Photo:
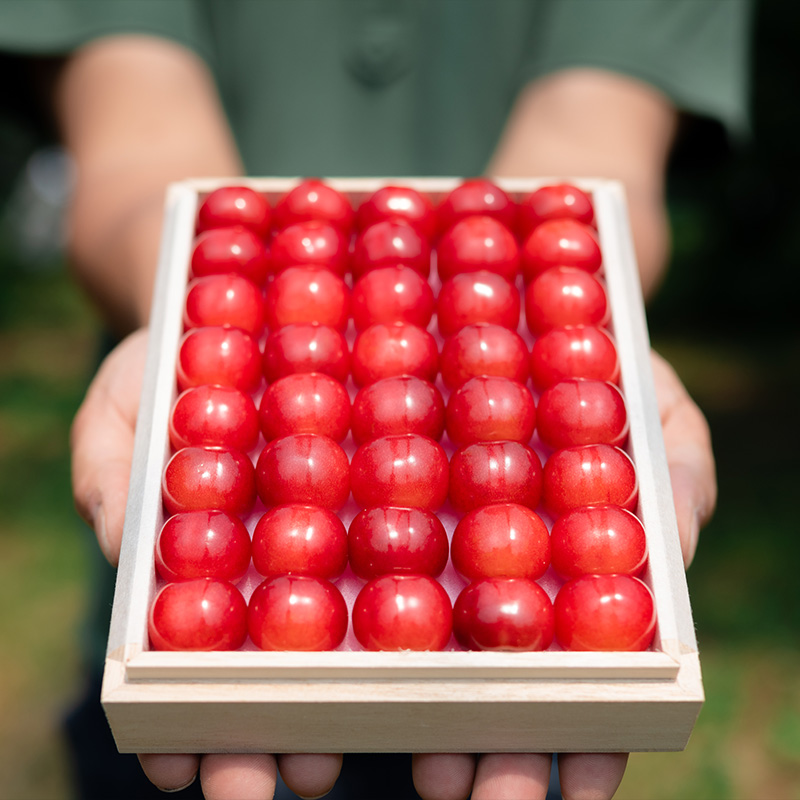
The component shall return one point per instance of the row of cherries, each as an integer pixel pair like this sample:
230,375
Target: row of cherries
481,407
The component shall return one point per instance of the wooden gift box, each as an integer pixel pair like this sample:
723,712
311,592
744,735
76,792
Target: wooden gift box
355,701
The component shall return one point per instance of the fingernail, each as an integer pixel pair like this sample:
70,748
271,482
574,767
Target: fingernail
180,788
694,536
100,529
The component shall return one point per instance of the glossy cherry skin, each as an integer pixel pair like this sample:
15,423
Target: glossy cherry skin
477,196
598,540
490,408
306,402
297,612
203,544
387,349
400,404
580,351
605,612
478,243
393,539
225,356
501,540
495,472
235,205
579,411
560,243
556,201
403,612
480,296
300,540
306,347
562,296
392,294
400,470
307,294
503,614
387,244
399,203
593,474
303,468
228,299
314,243
203,478
238,250
201,614
313,199
211,415
483,349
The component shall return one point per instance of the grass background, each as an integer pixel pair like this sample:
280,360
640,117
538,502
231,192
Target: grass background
726,318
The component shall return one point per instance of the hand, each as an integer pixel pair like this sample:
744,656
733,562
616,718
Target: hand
102,448
525,777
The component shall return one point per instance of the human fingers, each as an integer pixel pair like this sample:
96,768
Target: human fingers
443,776
310,775
102,442
690,457
590,776
513,776
170,772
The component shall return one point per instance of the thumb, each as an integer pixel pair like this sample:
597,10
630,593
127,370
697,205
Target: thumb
102,442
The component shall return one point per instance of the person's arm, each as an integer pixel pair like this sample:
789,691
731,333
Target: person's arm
593,123
137,113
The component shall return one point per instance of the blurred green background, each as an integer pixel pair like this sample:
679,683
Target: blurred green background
726,318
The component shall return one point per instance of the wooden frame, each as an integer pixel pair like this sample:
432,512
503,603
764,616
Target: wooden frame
376,702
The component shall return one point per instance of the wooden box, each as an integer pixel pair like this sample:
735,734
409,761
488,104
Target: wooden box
355,701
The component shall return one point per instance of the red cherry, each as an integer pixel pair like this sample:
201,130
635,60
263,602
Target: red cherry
401,404
593,474
605,612
300,540
306,402
228,299
399,203
477,196
579,411
402,612
483,349
307,294
385,350
201,614
221,250
392,294
401,470
203,478
391,539
560,243
210,415
490,408
480,296
478,243
558,201
306,347
225,356
495,472
303,468
388,244
562,296
203,544
235,205
312,243
297,612
313,199
582,351
502,540
503,614
599,540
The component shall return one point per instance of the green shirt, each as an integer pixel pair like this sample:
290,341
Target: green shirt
399,87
